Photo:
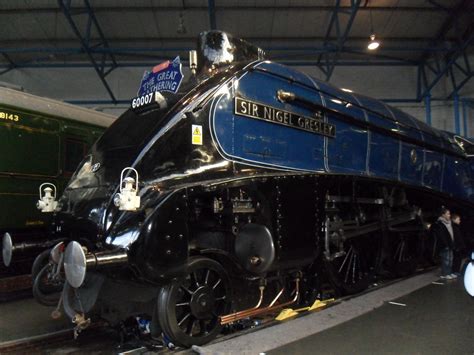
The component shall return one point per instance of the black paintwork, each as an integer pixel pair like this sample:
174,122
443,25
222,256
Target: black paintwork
194,201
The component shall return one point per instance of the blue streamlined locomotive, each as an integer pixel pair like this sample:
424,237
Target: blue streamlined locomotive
235,195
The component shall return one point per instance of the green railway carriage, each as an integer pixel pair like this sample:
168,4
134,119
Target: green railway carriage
41,140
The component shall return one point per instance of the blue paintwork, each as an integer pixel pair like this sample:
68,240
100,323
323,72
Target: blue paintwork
243,138
428,108
411,172
457,120
395,146
464,117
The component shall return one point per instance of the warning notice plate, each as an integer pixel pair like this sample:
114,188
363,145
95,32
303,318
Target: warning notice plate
197,134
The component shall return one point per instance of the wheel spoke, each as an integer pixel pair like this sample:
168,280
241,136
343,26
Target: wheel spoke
196,282
190,328
182,304
216,284
354,265
346,276
206,279
360,272
184,318
202,325
186,289
348,254
220,298
402,249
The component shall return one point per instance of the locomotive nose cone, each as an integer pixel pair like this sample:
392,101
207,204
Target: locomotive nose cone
75,264
7,249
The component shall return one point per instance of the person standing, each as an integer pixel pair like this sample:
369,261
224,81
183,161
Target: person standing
442,230
459,250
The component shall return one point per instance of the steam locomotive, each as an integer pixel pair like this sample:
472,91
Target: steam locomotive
233,196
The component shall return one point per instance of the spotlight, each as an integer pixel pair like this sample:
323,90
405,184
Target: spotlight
373,43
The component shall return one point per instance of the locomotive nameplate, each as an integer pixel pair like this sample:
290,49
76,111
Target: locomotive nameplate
271,114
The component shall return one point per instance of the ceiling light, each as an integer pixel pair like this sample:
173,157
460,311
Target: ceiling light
373,43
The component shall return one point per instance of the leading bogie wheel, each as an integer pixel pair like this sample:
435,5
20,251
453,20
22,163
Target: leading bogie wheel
47,285
40,262
189,308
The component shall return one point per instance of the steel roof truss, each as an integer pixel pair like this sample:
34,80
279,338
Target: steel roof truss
454,65
106,59
327,61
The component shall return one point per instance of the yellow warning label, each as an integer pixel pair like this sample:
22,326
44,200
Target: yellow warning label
197,134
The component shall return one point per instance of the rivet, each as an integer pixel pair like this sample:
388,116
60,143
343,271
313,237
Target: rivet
168,237
168,252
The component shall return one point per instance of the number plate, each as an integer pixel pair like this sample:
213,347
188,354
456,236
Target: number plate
143,100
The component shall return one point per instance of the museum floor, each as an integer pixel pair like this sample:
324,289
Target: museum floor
420,315
437,319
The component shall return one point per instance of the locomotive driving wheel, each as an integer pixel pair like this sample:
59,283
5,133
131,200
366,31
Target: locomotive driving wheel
189,308
349,271
432,249
404,254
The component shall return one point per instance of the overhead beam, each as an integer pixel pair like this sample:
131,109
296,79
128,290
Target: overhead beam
9,60
106,63
263,6
453,64
459,75
432,74
275,48
439,6
133,64
255,38
327,61
12,64
212,14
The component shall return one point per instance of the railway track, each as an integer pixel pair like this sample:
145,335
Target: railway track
102,339
15,287
98,339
